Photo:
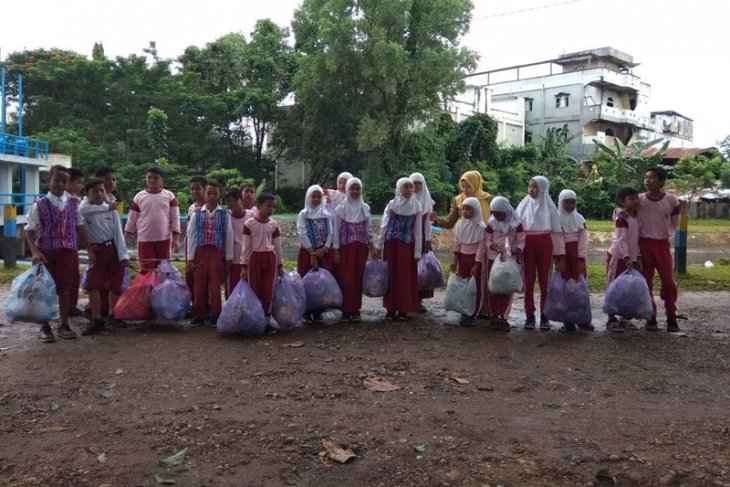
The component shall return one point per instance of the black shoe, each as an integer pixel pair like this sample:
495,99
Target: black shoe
422,309
356,317
317,319
112,322
346,317
390,316
544,323
466,321
46,334
504,326
672,326
76,311
569,327
530,321
308,318
651,324
65,332
494,324
197,322
87,313
400,316
94,327
586,326
213,320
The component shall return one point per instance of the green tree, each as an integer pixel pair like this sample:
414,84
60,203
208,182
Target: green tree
693,173
97,52
725,147
157,131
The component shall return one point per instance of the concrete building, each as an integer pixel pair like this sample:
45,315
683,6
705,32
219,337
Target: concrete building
594,93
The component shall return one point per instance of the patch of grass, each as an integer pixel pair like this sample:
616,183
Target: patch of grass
7,275
695,226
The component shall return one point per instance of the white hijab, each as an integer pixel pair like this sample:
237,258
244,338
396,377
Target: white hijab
539,214
353,210
502,205
314,212
470,230
572,222
423,196
345,175
404,206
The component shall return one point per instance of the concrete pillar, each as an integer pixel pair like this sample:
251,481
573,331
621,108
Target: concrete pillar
32,183
6,182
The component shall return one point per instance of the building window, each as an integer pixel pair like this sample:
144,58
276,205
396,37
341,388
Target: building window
609,132
562,100
528,137
609,101
528,104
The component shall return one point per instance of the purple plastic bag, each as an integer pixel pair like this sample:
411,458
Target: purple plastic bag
430,273
166,271
628,296
242,312
290,300
568,301
321,289
125,281
375,279
171,299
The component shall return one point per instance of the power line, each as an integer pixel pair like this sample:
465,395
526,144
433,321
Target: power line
524,10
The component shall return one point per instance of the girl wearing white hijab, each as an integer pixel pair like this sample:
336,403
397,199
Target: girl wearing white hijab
469,234
423,195
337,196
401,240
544,242
505,236
351,241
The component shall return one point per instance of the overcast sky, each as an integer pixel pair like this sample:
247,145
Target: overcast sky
682,46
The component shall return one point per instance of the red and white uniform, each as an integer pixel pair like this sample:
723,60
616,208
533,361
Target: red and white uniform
154,217
262,257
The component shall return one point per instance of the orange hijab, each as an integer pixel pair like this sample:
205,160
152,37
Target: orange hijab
475,181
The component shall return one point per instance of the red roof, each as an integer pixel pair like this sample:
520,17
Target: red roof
680,152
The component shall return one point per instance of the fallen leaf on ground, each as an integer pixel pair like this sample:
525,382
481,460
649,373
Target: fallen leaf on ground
106,394
120,371
379,385
460,380
336,452
53,429
165,478
420,448
176,459
53,407
103,457
293,345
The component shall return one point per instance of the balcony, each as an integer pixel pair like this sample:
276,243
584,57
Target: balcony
23,150
613,80
617,115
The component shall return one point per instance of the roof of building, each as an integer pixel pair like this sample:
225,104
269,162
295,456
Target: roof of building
680,152
670,113
607,53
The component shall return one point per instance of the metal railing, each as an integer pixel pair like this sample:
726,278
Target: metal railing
18,199
23,146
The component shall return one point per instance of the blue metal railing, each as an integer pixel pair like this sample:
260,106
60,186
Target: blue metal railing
23,146
18,199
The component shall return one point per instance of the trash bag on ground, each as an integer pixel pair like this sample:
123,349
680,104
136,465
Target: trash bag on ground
134,305
430,273
568,301
375,279
32,297
242,312
290,300
165,271
461,295
628,296
171,299
505,277
321,289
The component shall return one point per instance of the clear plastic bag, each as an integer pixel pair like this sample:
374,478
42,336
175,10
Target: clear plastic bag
171,299
505,277
289,302
134,305
568,301
375,279
321,289
430,273
32,297
628,296
461,295
242,312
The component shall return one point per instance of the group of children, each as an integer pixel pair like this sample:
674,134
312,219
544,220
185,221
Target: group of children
242,241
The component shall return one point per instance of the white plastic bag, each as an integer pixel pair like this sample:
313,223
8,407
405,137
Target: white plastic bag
461,295
505,277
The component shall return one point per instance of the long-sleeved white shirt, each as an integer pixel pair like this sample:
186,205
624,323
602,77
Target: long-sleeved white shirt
192,241
34,220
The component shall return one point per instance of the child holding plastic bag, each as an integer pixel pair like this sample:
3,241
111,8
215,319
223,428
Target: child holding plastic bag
351,242
543,243
400,240
505,237
315,229
423,195
575,239
468,236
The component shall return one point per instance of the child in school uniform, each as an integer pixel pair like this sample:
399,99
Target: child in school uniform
54,224
73,190
544,242
468,236
196,187
155,217
658,218
624,252
336,196
400,241
504,236
210,241
238,217
351,241
248,196
262,256
423,196
107,242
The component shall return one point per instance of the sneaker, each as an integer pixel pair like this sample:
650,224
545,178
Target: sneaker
390,316
346,317
504,326
65,332
586,326
530,321
567,326
672,326
270,330
112,322
651,324
95,326
197,322
317,319
544,323
466,321
400,316
76,311
46,334
356,317
494,324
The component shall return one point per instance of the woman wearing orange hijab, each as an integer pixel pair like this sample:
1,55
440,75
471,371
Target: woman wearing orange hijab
471,186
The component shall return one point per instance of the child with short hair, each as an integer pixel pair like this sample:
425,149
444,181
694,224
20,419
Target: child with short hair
73,188
209,240
541,222
468,236
196,187
504,236
400,240
155,217
658,218
248,198
238,218
262,256
624,252
351,241
53,225
107,242
423,195
109,175
337,196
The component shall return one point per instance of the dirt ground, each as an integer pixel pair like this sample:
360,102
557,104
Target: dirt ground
539,408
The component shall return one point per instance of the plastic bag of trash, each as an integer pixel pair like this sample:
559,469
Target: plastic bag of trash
568,301
375,279
32,297
430,273
242,312
628,296
134,305
505,277
321,289
290,300
166,270
171,299
461,295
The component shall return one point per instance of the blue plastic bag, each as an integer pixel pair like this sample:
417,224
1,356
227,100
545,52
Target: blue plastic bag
628,296
290,300
32,297
321,289
568,301
430,273
165,271
171,299
375,279
242,312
